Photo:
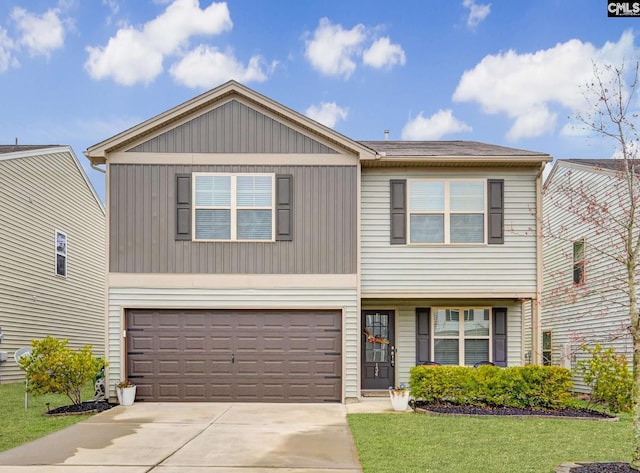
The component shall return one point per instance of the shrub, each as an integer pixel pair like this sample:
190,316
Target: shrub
53,367
537,387
608,376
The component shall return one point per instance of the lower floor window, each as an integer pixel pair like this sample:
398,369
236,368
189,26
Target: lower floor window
461,336
546,348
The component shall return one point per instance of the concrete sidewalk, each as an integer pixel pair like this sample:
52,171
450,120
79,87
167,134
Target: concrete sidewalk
198,437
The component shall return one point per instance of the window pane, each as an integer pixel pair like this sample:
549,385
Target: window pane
214,191
61,243
466,196
475,351
213,224
61,265
467,228
426,196
476,323
427,228
254,191
254,225
446,323
446,352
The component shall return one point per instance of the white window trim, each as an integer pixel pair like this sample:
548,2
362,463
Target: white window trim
447,212
65,254
461,335
233,207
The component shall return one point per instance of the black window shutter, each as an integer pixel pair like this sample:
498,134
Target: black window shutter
496,211
500,336
284,207
423,335
398,211
183,206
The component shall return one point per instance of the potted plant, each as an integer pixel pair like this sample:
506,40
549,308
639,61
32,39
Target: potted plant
126,392
399,398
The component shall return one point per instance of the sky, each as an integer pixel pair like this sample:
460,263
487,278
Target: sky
511,73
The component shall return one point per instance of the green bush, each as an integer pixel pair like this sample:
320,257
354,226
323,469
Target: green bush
537,387
608,376
53,367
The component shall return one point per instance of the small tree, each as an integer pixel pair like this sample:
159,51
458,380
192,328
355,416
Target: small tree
612,211
53,367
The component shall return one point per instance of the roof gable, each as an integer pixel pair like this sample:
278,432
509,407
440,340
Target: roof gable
232,127
215,98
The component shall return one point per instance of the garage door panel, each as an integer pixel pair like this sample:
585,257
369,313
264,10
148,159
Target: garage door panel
237,355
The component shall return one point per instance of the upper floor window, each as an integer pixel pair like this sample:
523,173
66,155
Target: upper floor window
447,211
578,262
546,348
61,253
233,207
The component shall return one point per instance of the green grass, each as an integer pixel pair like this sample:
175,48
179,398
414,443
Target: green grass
20,425
451,444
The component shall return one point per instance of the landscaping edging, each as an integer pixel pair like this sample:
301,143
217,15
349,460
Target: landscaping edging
548,416
567,467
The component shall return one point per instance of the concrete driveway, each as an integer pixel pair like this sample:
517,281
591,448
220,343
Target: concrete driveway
197,437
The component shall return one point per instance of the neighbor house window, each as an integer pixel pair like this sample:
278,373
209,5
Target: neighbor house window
61,253
447,211
233,207
578,262
461,336
546,348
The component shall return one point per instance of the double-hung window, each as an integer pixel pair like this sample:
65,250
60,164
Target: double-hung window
447,211
461,336
61,253
578,262
233,207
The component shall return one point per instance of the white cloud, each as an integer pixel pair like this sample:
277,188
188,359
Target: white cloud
7,46
328,113
435,127
207,66
383,53
525,87
136,54
335,51
332,48
41,34
477,12
114,8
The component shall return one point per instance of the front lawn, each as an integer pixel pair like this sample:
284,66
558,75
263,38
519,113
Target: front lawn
451,444
20,425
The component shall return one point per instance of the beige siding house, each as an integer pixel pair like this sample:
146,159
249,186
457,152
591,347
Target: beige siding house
52,262
583,300
256,255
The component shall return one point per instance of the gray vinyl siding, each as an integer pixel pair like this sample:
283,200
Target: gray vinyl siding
40,195
142,204
406,328
510,266
298,298
232,128
595,312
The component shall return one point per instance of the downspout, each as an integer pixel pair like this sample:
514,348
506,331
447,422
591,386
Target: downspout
536,329
95,166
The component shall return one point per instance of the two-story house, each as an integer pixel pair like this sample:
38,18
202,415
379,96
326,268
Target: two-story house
585,297
52,261
257,255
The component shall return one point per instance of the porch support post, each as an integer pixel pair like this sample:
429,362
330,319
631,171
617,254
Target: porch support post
536,329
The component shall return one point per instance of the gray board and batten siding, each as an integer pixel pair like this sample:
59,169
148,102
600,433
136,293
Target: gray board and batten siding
142,224
233,128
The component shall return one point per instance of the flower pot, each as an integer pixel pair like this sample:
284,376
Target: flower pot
126,396
399,399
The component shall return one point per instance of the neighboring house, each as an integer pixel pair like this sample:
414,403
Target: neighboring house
52,261
583,299
257,255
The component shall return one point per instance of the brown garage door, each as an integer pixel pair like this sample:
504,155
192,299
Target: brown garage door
235,355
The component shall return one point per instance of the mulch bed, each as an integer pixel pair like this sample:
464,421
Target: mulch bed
613,467
87,407
444,408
